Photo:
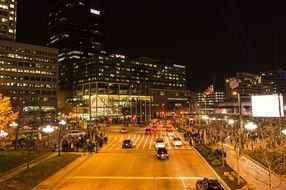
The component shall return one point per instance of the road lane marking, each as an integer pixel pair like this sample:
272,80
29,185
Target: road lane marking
142,138
116,143
138,177
184,184
140,141
146,140
151,141
135,139
110,143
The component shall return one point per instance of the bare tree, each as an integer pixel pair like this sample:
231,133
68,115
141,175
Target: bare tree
271,152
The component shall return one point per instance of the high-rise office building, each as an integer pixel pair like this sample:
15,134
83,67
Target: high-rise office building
8,17
75,27
115,85
29,76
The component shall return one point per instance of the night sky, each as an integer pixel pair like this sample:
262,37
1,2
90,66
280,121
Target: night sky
213,38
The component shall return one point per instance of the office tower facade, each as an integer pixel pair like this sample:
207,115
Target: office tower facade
8,18
274,82
116,85
29,76
75,27
209,101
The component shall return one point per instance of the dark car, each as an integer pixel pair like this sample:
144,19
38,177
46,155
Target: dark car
208,184
127,144
162,154
148,131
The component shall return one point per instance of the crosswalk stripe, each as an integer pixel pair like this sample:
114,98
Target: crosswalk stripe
141,141
146,140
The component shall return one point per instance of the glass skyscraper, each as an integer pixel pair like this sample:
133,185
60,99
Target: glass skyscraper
75,27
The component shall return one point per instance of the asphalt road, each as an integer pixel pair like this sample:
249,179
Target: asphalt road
132,169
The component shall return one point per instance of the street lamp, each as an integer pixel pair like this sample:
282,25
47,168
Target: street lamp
240,131
14,125
230,122
48,129
284,131
3,133
251,126
61,123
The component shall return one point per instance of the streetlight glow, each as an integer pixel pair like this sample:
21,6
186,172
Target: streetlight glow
230,121
62,122
284,131
13,124
250,126
48,129
3,133
205,117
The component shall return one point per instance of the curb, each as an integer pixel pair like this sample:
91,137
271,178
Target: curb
209,167
212,170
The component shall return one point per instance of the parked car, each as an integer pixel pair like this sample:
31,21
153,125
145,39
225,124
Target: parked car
159,143
162,154
177,141
123,130
127,143
208,184
75,133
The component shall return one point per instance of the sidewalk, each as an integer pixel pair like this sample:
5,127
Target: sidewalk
253,172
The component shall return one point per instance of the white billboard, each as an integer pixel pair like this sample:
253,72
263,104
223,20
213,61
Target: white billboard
267,106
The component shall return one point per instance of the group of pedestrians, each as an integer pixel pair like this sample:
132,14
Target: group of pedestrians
84,143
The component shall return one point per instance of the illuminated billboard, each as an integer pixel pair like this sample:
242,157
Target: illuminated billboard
267,106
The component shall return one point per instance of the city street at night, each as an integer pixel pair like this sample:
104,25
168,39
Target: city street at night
142,95
138,168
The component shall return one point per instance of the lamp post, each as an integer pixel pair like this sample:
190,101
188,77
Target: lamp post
251,126
230,122
240,131
3,133
48,130
284,131
61,123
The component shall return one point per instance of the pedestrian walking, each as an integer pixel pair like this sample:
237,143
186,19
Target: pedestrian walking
96,147
90,147
105,139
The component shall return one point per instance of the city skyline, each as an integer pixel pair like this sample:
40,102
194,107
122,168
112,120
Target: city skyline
213,39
